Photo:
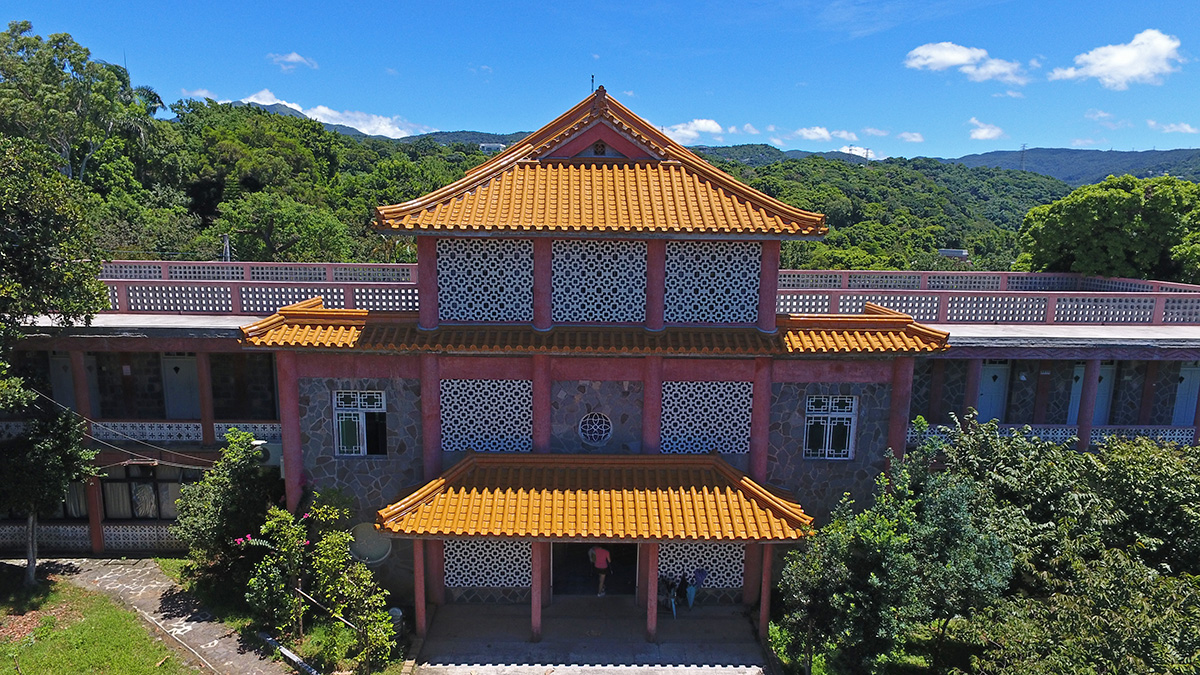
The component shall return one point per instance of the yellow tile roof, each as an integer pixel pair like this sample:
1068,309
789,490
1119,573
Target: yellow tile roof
878,330
523,190
627,497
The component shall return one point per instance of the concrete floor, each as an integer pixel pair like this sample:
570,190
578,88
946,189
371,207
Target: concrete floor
586,635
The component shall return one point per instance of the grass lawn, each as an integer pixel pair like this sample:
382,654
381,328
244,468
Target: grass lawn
58,627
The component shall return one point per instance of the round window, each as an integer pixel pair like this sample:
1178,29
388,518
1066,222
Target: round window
595,428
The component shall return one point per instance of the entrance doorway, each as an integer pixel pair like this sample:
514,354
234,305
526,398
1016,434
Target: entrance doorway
572,571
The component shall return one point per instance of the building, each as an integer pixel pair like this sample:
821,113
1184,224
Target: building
596,345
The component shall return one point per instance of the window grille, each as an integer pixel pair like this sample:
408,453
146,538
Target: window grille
360,422
829,423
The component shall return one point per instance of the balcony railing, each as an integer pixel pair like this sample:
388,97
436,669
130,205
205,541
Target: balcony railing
1064,433
257,289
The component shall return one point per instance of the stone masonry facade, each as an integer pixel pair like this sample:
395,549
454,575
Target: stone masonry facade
621,401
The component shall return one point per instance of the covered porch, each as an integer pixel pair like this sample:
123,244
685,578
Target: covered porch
500,514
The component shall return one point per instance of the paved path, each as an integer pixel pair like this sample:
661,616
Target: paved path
187,627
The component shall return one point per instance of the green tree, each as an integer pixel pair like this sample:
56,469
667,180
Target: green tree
273,227
270,590
36,470
1123,227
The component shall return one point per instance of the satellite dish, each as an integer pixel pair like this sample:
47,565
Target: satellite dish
369,546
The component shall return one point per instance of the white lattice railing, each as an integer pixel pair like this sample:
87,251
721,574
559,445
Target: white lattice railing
263,431
140,537
51,536
1064,433
11,429
971,281
143,270
165,432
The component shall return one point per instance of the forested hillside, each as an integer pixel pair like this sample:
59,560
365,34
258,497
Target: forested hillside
1082,167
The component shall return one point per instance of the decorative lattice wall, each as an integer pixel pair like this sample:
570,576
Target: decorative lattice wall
698,417
598,281
51,537
487,415
712,282
149,537
480,563
483,280
725,563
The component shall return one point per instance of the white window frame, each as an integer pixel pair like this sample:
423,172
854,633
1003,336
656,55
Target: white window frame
352,406
827,415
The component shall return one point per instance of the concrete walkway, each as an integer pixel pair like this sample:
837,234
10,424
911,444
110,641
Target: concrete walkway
189,629
585,635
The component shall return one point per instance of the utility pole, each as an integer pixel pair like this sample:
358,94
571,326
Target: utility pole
225,248
593,84
1022,156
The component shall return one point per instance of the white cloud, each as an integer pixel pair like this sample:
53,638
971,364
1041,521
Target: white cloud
814,134
198,93
391,71
865,153
1097,115
1143,60
910,137
731,130
1009,94
1082,142
971,61
770,128
288,62
1035,63
688,132
1175,128
629,93
776,141
844,135
368,123
1105,119
872,131
595,56
984,131
749,128
718,138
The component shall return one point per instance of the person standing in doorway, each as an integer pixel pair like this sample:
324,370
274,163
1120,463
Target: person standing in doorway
600,558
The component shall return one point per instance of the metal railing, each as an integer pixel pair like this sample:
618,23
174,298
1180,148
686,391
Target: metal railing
1064,433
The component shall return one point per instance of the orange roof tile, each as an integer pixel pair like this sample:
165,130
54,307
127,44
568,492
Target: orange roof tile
673,192
878,330
627,497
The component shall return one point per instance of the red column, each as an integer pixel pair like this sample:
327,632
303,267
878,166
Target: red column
643,564
204,382
974,372
937,383
541,402
435,571
1041,397
651,591
656,283
751,573
419,586
289,419
543,256
768,286
1146,409
1087,403
760,419
764,596
902,376
79,382
431,415
95,506
427,291
652,405
535,591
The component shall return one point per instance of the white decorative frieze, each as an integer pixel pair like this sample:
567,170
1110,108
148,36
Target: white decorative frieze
712,281
487,415
699,417
597,281
488,563
485,280
723,564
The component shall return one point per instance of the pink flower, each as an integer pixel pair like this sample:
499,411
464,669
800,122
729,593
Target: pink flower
306,542
305,516
239,541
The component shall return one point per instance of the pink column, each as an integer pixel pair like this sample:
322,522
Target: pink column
974,372
95,506
427,290
204,382
651,591
643,563
541,402
289,418
1087,403
542,281
79,382
535,591
435,571
1146,409
751,573
652,405
431,415
760,419
768,286
419,586
902,376
764,596
656,283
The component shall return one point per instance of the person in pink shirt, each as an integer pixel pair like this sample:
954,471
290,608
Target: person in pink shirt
600,558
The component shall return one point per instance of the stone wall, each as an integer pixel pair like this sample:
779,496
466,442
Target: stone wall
138,396
818,484
371,481
243,386
954,392
1058,403
1165,390
922,380
620,401
1022,394
1127,393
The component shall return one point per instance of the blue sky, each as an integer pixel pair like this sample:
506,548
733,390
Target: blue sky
901,77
